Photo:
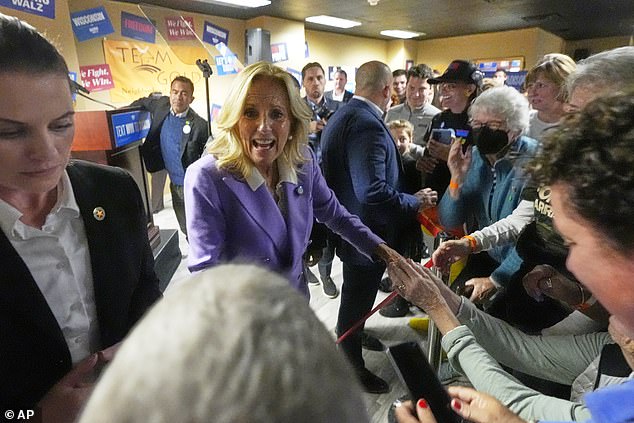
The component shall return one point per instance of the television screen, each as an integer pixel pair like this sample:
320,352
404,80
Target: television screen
129,126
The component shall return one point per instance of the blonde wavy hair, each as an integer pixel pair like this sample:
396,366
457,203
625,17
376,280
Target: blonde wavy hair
227,147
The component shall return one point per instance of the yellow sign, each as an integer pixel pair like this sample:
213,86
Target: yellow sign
139,69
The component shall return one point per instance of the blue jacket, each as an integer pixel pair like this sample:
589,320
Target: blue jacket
611,405
480,203
363,167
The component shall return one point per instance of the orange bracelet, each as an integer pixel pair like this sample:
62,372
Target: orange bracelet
472,242
453,184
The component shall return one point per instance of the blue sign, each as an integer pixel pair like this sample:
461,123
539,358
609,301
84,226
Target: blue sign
226,65
128,127
44,8
214,34
91,23
137,27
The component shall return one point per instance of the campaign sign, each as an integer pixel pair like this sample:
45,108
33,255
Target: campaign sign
137,28
44,8
226,65
96,77
91,23
214,34
180,28
279,52
130,126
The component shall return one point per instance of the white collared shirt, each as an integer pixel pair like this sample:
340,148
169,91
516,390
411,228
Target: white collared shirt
58,258
286,174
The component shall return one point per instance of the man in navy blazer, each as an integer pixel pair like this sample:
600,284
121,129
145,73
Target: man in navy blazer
176,139
363,167
34,353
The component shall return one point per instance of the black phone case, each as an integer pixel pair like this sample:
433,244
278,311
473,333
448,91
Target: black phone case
416,373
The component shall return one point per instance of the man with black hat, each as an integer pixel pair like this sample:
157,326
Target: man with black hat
459,85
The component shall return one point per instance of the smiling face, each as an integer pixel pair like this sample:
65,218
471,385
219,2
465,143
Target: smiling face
265,123
398,85
455,95
36,132
605,271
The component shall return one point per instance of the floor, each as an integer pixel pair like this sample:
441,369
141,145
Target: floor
389,330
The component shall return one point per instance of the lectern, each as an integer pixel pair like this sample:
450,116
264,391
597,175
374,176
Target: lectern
113,137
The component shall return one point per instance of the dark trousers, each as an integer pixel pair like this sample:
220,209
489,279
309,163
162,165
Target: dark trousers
157,187
325,263
360,285
178,203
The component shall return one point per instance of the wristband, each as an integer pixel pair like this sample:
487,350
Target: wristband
453,184
472,242
584,304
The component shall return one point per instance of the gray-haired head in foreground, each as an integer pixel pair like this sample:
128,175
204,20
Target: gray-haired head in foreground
234,343
505,102
610,69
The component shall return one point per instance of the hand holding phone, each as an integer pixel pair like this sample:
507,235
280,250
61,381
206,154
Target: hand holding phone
443,135
415,372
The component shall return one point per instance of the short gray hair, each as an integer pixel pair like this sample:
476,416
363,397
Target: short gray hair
506,102
610,69
234,343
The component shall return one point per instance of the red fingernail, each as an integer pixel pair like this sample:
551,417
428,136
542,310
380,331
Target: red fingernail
456,405
422,403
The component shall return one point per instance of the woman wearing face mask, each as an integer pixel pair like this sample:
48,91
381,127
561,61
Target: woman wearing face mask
487,182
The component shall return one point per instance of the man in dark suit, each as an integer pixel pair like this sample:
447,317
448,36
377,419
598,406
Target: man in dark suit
34,350
339,93
176,139
363,167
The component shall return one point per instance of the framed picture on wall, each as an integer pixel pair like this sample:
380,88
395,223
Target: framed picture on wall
409,64
509,64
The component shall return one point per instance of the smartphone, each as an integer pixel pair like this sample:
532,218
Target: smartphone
466,137
416,373
443,135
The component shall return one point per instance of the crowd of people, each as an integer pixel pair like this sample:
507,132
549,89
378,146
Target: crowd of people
542,184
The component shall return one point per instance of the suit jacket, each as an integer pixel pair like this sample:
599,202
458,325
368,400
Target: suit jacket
33,351
227,221
363,167
191,145
347,96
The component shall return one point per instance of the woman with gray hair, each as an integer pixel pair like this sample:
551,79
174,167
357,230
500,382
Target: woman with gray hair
246,351
487,182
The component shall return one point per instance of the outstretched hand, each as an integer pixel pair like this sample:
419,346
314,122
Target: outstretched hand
472,405
450,252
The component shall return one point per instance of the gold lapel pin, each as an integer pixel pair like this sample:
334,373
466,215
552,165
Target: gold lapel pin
99,213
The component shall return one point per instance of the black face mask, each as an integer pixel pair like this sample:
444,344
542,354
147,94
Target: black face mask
490,141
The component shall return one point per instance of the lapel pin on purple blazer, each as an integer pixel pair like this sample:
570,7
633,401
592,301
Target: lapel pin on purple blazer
299,190
99,213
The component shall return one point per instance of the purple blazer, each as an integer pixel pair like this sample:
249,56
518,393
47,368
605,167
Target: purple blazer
228,222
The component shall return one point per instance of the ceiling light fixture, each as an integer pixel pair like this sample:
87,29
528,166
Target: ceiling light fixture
332,21
397,33
244,3
373,2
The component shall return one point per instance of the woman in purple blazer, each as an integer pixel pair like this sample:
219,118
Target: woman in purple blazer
253,198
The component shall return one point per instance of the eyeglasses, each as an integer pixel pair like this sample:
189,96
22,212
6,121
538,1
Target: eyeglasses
493,125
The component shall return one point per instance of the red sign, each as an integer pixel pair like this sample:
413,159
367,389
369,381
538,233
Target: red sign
180,28
96,77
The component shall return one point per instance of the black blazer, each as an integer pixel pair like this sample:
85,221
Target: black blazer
33,352
191,145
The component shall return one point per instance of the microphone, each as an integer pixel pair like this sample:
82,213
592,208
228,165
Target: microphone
77,87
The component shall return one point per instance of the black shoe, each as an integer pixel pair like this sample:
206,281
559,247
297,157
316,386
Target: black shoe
311,278
330,289
371,343
372,383
399,307
386,285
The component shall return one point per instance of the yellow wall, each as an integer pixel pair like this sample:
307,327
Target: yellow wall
596,45
399,51
530,43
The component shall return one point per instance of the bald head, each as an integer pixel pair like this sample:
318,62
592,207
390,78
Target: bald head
373,81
